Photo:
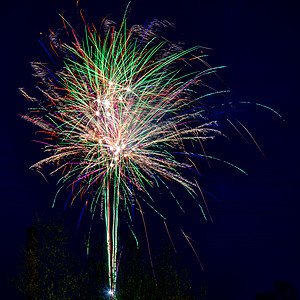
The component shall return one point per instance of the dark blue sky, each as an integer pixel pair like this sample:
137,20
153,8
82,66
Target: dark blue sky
255,237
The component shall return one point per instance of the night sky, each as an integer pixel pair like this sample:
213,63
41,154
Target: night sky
254,239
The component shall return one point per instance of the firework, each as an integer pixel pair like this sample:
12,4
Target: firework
114,116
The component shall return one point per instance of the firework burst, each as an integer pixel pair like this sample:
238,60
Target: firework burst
114,115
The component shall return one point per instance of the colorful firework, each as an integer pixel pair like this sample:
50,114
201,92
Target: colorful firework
116,116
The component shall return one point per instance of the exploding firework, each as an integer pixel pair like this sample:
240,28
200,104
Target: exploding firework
116,115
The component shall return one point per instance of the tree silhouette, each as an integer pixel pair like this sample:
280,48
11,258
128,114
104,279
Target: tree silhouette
283,290
63,276
60,274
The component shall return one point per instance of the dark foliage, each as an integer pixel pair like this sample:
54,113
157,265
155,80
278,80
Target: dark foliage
283,290
63,276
